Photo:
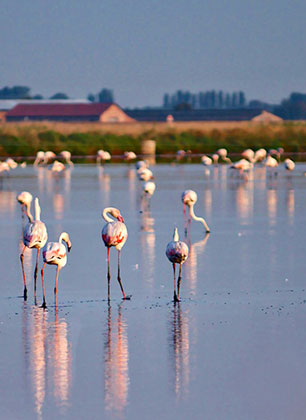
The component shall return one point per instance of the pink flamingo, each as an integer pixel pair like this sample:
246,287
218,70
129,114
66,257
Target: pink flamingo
189,198
114,233
177,253
25,199
54,253
34,236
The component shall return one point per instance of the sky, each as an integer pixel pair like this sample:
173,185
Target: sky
142,49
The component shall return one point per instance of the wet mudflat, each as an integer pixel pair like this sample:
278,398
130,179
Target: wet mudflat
233,348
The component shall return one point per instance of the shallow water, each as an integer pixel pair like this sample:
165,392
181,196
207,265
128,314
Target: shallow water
233,348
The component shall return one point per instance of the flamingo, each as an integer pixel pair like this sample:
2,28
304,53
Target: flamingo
40,157
271,162
289,164
141,164
67,156
206,161
242,165
49,156
114,233
144,174
177,253
189,198
148,190
260,155
129,156
215,158
248,154
25,199
34,236
223,155
54,253
103,155
57,167
180,154
11,163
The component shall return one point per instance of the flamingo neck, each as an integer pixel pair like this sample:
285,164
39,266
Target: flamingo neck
37,209
105,214
198,219
28,212
176,237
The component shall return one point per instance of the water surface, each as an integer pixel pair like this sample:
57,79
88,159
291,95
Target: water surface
233,348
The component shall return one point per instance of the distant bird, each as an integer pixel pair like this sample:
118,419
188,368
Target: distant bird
271,162
49,156
189,198
103,155
11,163
223,155
57,167
215,158
148,190
23,165
114,233
206,161
180,154
177,253
144,174
289,164
34,236
277,152
260,155
66,155
242,165
141,164
40,157
4,167
54,253
129,156
248,154
25,199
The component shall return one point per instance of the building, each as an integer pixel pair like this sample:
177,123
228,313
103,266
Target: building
235,114
68,112
266,117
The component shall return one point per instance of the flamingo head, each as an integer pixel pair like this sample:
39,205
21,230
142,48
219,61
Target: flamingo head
116,214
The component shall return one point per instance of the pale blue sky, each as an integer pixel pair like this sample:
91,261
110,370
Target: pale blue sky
141,49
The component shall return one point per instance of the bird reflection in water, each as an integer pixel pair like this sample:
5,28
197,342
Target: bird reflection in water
290,203
179,345
272,202
49,358
147,240
104,182
8,203
245,201
191,265
116,361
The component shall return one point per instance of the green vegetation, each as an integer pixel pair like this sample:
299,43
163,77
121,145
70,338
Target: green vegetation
26,140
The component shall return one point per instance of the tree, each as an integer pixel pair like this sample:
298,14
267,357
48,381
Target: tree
59,95
15,92
106,95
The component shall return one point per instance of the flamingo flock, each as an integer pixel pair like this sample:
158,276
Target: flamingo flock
114,232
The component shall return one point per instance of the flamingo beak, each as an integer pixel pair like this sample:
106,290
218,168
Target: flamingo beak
69,247
120,219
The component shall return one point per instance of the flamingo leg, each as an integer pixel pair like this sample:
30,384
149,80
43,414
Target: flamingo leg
108,274
35,274
56,280
179,283
43,285
174,293
185,219
118,277
25,292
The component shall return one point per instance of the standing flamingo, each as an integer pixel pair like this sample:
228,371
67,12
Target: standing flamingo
148,190
34,236
189,198
40,157
177,253
114,233
54,253
25,199
289,164
66,155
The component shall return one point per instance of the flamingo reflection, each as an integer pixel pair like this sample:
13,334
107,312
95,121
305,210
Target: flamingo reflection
47,357
195,250
179,345
116,360
147,240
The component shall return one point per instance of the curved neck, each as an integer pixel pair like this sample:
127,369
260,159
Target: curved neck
198,219
64,237
37,209
28,212
176,237
106,216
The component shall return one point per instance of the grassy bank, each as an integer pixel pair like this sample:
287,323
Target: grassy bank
25,139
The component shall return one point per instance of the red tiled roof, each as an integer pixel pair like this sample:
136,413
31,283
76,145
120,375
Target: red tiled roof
54,110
